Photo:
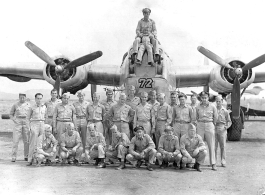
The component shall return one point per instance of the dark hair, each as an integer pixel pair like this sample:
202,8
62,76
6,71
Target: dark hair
38,94
53,90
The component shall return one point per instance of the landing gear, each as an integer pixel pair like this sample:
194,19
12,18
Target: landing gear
235,130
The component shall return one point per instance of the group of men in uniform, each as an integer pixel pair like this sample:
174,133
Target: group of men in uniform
132,129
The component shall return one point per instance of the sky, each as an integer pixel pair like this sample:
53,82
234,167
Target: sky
76,28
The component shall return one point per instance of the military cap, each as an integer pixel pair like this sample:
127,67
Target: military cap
219,97
109,91
80,92
182,95
47,127
138,128
204,93
113,127
66,95
168,128
146,10
131,87
22,94
153,92
191,127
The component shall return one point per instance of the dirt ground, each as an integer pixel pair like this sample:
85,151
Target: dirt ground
244,174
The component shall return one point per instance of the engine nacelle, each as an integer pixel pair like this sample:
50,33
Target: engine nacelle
71,79
222,79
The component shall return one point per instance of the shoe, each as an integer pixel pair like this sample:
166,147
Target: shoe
157,58
139,163
223,165
26,159
77,163
214,167
150,63
182,166
29,163
195,165
162,166
97,162
101,165
149,168
175,165
122,166
138,62
48,162
189,166
198,167
13,160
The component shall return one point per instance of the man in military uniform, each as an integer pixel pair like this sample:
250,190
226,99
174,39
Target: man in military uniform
46,146
64,114
182,116
146,27
119,146
37,118
121,114
133,101
222,124
192,146
206,120
108,104
95,113
71,145
145,114
173,99
163,116
50,105
95,146
168,149
141,148
80,109
153,102
19,114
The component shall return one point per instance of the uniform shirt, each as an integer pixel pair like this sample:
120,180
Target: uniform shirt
98,140
120,112
70,141
206,113
80,108
154,105
134,102
164,113
108,105
144,113
187,145
223,117
44,143
193,107
139,145
95,112
37,113
51,106
183,114
122,140
146,27
64,112
168,145
20,110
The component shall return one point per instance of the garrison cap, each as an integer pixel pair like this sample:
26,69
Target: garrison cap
146,10
131,87
80,92
138,128
47,127
182,95
204,93
109,91
66,95
168,128
113,127
22,94
191,127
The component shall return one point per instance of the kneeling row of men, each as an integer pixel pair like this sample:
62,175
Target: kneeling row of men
140,148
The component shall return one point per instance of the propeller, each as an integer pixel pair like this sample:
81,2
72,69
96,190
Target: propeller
256,62
235,98
59,69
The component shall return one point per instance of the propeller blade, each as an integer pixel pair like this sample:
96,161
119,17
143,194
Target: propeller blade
235,98
40,53
212,56
256,62
83,60
58,84
93,90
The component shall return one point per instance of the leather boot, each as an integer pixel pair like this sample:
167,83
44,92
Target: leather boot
198,167
121,166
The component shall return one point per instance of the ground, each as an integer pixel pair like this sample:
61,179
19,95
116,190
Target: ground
244,174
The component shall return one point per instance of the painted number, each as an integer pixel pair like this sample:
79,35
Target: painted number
145,83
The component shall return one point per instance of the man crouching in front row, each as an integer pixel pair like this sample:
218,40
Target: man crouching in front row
46,147
71,146
141,148
168,149
95,146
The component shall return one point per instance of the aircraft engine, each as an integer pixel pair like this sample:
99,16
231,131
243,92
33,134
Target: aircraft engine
222,78
72,79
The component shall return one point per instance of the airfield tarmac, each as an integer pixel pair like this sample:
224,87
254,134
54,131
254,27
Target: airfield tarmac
244,174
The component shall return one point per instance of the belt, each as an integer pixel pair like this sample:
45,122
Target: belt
205,121
94,121
64,120
121,121
182,122
21,116
143,121
50,116
220,123
36,120
81,117
161,120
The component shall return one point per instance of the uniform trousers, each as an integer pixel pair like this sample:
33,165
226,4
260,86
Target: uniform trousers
40,157
97,152
200,157
146,125
166,158
148,156
123,127
159,130
220,138
81,125
76,155
180,129
119,152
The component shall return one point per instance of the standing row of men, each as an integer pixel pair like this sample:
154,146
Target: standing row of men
129,112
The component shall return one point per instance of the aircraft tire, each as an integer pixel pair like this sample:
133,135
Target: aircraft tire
235,130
